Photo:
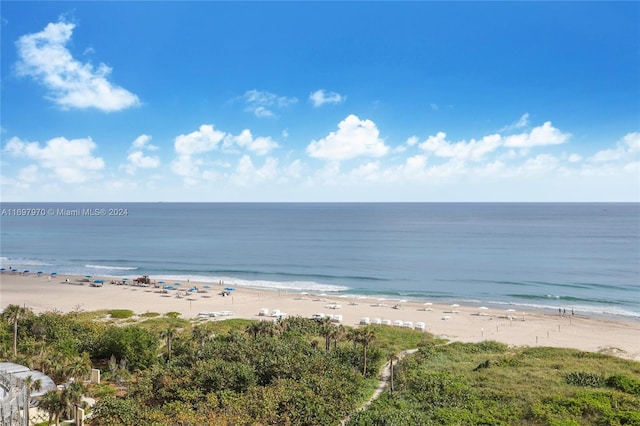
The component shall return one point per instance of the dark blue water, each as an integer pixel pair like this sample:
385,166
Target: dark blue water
581,256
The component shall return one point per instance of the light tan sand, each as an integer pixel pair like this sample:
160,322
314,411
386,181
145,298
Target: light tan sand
465,323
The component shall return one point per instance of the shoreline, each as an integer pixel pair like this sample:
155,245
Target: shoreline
464,323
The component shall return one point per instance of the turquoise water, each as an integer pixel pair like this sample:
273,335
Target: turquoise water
579,256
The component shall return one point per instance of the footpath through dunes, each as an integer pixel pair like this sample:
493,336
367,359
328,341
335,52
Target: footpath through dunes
471,324
384,376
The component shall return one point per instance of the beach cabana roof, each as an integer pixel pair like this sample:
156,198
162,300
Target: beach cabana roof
22,372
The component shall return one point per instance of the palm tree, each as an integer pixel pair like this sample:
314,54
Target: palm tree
327,330
353,335
31,385
13,314
79,368
200,334
253,329
168,335
339,334
366,336
393,356
53,404
72,395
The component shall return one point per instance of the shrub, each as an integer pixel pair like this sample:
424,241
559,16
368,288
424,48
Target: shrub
120,313
581,378
624,384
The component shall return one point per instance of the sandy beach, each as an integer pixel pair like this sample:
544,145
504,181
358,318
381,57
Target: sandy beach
456,323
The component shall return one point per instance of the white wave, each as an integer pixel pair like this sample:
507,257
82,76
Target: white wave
116,268
270,285
579,309
22,262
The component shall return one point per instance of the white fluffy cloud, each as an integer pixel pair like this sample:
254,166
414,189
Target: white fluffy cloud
539,136
246,173
626,150
71,83
205,139
478,149
192,162
262,103
71,161
354,138
473,150
137,158
322,97
522,122
259,145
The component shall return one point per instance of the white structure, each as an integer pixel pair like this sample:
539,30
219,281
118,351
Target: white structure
365,321
13,392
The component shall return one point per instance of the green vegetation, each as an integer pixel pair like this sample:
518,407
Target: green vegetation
488,383
121,313
168,370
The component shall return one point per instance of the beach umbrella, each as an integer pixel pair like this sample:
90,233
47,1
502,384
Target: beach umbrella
3,269
177,283
455,305
170,287
427,304
511,310
483,308
125,279
39,272
160,282
98,281
54,273
26,271
14,270
207,286
229,288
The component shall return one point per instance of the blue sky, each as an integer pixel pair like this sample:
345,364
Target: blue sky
334,101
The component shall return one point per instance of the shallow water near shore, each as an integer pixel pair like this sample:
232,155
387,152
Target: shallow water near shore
584,257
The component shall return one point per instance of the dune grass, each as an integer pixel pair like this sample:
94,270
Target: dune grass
490,383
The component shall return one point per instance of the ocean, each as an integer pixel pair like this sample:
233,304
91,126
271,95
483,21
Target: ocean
580,256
